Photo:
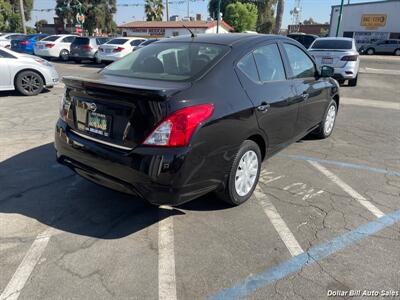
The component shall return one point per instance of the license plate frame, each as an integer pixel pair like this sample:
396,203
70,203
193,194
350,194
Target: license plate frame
98,123
327,60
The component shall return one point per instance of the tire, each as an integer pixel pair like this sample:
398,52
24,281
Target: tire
340,81
397,52
29,83
236,193
64,55
370,51
326,129
77,61
353,82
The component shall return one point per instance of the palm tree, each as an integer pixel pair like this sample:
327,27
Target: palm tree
279,15
154,10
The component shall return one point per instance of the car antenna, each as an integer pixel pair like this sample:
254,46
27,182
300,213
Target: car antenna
191,32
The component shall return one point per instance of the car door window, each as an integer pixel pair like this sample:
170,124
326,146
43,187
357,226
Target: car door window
269,63
135,43
302,66
5,54
248,66
68,39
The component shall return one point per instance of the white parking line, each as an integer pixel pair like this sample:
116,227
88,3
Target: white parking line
280,226
24,271
348,189
371,103
166,258
379,71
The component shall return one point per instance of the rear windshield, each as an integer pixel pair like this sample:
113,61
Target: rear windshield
102,40
81,41
332,44
117,41
51,38
147,42
168,61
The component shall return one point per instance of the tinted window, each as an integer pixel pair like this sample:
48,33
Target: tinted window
5,54
332,44
28,37
248,67
16,36
269,63
147,42
101,41
136,42
308,41
117,41
168,61
68,39
81,41
51,38
301,65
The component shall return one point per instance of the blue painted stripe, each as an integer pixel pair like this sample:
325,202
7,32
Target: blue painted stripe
316,253
342,164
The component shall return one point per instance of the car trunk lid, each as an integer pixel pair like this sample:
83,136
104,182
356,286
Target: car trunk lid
331,58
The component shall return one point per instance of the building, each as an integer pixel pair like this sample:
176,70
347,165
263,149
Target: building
367,22
171,28
317,29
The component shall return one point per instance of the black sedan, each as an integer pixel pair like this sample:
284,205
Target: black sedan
186,116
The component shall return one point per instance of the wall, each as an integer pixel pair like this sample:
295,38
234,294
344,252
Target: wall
169,32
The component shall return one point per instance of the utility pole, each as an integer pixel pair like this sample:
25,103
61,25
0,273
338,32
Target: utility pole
339,18
218,15
188,9
22,11
166,9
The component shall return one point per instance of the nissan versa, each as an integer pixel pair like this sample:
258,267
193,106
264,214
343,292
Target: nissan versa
189,115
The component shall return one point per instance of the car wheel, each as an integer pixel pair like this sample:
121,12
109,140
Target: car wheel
77,61
353,82
29,83
370,51
244,174
328,123
397,52
64,55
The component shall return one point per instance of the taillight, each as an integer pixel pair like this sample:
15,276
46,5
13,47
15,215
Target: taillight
177,129
48,45
350,58
23,43
119,49
86,47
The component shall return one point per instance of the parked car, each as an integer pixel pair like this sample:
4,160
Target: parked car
391,46
339,53
146,43
27,43
55,46
117,48
25,73
86,48
6,38
162,124
305,39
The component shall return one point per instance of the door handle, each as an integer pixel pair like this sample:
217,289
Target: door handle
305,95
263,107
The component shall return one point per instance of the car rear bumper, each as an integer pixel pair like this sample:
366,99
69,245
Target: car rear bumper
159,175
81,56
350,71
46,52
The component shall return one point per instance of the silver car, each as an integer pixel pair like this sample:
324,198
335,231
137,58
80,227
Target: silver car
391,46
86,48
25,73
339,53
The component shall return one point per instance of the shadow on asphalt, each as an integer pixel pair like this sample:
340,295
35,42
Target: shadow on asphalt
33,184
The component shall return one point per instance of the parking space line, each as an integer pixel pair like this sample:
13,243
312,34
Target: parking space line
280,226
166,257
24,270
348,189
370,103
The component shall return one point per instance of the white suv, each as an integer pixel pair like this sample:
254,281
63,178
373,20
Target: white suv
339,53
55,46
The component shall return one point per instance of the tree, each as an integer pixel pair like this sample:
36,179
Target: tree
241,16
28,6
5,13
279,15
98,13
39,24
310,21
265,20
154,10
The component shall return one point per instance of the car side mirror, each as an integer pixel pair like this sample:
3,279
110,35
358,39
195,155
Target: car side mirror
327,71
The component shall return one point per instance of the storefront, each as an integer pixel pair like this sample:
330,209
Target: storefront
367,22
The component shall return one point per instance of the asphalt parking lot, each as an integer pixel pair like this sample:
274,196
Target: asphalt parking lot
325,217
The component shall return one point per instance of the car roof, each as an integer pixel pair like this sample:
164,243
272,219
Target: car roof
335,38
228,39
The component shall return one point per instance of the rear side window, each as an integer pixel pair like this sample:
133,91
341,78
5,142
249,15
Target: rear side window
51,38
117,41
168,61
68,39
248,67
269,63
5,54
333,44
101,41
136,42
81,41
301,65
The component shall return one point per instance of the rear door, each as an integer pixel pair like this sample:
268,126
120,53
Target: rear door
311,91
65,43
274,97
5,78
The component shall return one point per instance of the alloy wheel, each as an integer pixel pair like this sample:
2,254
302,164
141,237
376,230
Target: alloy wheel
330,120
30,83
246,173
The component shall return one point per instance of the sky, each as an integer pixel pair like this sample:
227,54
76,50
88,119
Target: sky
319,10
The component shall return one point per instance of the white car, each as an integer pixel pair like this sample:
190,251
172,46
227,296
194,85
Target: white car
339,53
117,48
55,46
25,73
6,38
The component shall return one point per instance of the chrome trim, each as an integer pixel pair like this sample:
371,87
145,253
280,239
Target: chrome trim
100,141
